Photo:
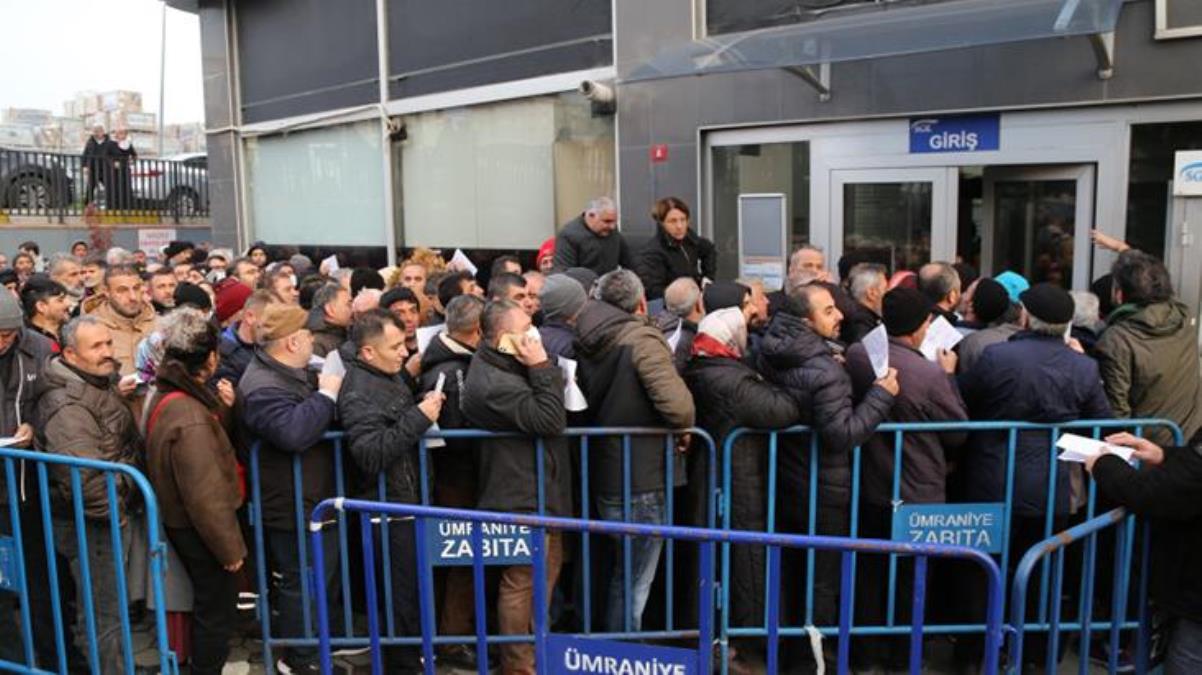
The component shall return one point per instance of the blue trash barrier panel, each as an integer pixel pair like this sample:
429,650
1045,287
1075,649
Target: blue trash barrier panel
557,653
449,543
978,526
39,533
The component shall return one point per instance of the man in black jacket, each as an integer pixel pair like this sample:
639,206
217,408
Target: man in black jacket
512,386
1169,491
287,409
592,240
868,283
799,352
95,164
383,427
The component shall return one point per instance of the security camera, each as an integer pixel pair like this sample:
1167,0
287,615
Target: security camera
601,95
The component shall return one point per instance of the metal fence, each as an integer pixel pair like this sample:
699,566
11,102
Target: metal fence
57,186
703,637
48,519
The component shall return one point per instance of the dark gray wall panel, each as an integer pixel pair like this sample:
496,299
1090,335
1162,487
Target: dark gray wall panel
304,56
439,46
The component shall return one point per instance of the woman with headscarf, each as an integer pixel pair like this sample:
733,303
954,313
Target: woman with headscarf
729,394
121,155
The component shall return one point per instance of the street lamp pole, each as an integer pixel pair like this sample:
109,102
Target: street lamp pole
162,75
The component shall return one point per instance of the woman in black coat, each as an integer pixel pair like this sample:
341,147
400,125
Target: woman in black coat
121,155
675,251
729,394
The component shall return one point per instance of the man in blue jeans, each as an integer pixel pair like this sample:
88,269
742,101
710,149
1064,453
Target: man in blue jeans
630,380
287,409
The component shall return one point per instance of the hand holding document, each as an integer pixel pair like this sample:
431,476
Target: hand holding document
573,397
876,343
1081,448
940,335
332,365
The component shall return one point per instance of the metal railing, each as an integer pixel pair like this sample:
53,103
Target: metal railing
57,186
706,539
65,522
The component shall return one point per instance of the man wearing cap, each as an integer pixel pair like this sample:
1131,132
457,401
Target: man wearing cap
237,346
178,251
927,394
562,298
995,316
287,408
1032,377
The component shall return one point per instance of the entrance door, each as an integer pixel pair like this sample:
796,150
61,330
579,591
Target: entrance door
1185,263
896,217
1037,222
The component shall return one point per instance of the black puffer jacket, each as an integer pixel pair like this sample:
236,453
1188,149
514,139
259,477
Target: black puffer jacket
501,394
454,464
664,260
577,246
798,359
383,426
730,394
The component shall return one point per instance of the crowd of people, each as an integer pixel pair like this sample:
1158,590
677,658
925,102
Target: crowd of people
179,366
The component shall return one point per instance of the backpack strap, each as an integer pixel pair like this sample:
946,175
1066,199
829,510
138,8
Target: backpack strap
158,409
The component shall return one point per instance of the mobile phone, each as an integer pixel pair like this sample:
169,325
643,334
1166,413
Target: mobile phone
509,344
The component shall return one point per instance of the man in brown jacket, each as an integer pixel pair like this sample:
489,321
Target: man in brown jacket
81,414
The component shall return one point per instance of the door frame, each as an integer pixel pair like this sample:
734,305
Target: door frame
1084,219
944,198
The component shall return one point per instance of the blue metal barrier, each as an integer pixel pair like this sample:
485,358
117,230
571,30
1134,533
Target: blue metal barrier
706,539
350,638
45,515
1012,430
1054,548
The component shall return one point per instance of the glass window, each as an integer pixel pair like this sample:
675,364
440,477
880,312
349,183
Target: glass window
502,175
728,16
317,187
888,223
1034,227
1152,149
771,168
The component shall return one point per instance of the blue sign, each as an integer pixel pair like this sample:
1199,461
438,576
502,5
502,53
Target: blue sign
978,526
1191,173
8,564
960,133
449,543
567,654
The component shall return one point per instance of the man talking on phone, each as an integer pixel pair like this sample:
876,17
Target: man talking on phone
512,386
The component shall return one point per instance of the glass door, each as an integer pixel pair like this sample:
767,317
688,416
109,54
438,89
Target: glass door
1037,222
896,217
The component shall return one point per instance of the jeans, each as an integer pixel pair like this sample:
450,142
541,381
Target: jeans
289,613
1185,649
214,604
646,508
102,574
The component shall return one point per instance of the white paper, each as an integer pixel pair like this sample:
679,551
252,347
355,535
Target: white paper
460,261
675,338
876,343
7,441
442,380
425,334
330,263
1080,448
316,362
940,335
333,364
573,397
437,442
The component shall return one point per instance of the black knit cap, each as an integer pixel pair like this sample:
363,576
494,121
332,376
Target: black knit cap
723,294
990,301
177,247
1048,302
192,295
904,310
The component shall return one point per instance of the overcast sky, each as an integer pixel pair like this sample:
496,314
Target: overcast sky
51,49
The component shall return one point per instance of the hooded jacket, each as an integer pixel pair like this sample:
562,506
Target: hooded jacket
798,359
501,394
18,395
629,380
77,418
664,260
1149,362
577,246
454,464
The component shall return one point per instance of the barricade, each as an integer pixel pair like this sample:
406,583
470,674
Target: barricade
1055,549
582,586
1011,432
30,512
619,658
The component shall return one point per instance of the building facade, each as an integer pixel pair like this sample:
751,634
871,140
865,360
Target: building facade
999,134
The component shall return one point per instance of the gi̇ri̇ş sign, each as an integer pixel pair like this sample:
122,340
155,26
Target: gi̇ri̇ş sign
449,542
958,133
978,526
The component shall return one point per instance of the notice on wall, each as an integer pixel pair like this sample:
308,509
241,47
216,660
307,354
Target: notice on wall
153,240
978,526
449,543
569,654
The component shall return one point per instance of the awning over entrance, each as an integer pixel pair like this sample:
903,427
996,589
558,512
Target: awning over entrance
807,49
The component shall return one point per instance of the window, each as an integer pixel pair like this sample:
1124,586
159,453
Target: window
730,16
317,187
1152,150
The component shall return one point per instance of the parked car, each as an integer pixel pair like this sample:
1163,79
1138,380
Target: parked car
35,181
179,183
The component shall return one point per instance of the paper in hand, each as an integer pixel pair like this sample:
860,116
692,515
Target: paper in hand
573,397
330,263
460,261
674,340
1080,448
442,380
425,334
333,364
940,335
437,442
876,343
